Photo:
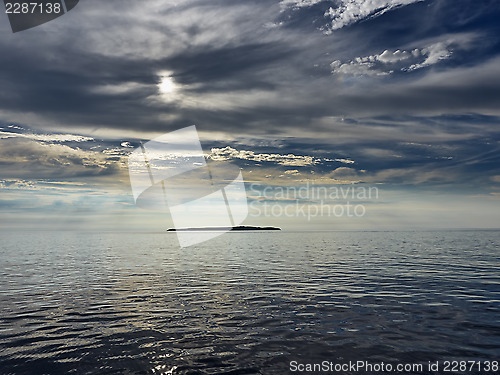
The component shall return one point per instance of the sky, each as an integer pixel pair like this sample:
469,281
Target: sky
400,96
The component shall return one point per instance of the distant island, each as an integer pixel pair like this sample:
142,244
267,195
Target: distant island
225,229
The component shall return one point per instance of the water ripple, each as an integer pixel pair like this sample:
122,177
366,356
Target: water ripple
245,303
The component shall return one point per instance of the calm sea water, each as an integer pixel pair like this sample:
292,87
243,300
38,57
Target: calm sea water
245,303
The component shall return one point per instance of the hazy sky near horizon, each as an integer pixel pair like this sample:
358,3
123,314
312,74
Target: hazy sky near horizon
403,95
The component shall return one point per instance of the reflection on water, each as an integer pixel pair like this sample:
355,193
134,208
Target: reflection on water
245,303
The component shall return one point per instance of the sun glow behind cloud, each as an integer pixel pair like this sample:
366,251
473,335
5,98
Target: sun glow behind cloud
167,85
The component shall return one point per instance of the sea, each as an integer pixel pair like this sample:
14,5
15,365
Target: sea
415,302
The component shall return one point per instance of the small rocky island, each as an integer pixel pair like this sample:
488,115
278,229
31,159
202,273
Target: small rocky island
240,228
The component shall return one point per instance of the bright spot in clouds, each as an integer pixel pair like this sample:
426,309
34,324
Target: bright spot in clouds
167,85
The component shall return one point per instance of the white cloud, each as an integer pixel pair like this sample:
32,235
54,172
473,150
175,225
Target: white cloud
357,68
118,89
344,173
22,184
45,137
434,53
345,161
351,11
387,62
396,56
298,3
228,153
347,12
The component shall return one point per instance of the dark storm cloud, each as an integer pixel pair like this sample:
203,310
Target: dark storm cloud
289,73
